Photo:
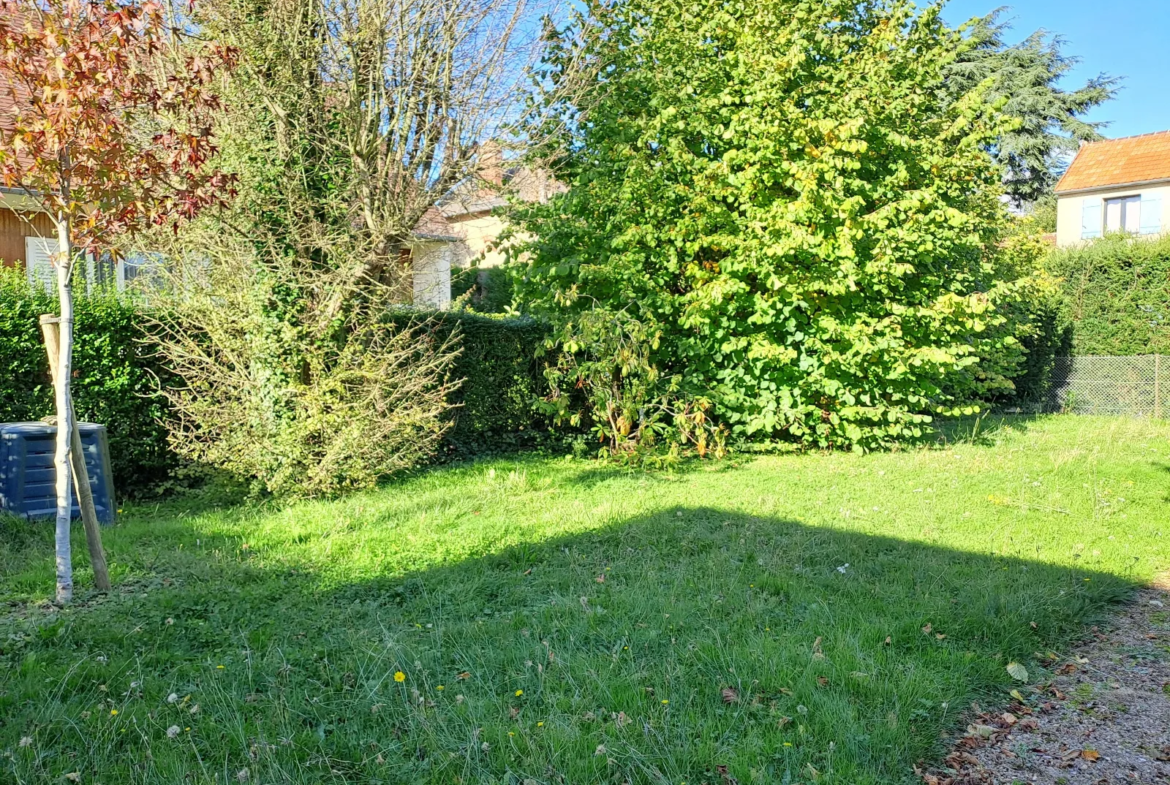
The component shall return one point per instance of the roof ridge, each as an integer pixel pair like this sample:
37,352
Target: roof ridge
1124,138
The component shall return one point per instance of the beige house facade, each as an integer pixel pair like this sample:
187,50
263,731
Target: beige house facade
1117,185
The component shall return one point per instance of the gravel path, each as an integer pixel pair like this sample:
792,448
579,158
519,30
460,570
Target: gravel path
1104,719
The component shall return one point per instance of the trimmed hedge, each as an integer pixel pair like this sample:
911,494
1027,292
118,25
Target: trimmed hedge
496,411
115,377
1117,293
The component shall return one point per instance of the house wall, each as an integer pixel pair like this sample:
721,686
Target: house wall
478,232
1069,209
431,266
14,227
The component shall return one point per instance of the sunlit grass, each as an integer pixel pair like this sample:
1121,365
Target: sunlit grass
558,621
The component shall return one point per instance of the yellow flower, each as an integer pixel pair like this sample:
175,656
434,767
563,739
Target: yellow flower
219,667
510,733
540,724
399,676
665,702
439,688
519,693
787,744
113,712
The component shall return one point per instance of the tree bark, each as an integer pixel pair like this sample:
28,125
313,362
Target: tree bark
64,413
93,532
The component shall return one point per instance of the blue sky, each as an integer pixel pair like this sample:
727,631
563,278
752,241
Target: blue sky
1128,39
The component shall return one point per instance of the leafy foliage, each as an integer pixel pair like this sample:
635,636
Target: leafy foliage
604,379
116,383
1118,295
1025,84
100,134
293,408
789,202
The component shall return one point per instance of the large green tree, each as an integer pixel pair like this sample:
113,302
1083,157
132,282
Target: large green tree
781,195
1025,81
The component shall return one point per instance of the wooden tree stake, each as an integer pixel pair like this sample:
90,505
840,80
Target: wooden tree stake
93,533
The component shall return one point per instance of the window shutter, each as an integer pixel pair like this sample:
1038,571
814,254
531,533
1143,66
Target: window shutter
1090,218
1151,215
38,261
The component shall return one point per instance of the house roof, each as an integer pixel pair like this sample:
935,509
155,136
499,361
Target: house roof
472,196
1115,162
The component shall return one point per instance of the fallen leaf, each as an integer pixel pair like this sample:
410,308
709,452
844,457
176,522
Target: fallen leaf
464,676
980,731
1090,755
1009,718
730,695
927,628
1016,694
1017,671
888,641
822,681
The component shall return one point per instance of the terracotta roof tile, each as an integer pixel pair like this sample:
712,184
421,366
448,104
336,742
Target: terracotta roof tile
1133,159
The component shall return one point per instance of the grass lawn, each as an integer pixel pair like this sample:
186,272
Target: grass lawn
823,618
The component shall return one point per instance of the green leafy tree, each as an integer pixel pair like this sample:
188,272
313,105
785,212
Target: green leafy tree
783,196
1024,81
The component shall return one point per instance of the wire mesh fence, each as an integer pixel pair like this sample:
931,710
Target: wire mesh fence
1135,386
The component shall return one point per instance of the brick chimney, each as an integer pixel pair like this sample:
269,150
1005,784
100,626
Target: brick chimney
490,162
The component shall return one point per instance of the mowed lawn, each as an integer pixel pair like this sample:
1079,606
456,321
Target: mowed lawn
822,617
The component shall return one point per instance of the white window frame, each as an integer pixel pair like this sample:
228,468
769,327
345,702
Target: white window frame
1126,203
38,256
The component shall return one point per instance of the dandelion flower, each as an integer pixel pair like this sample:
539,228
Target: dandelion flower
113,712
399,676
439,688
219,667
665,702
540,724
519,693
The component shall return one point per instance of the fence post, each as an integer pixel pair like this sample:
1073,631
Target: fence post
1158,386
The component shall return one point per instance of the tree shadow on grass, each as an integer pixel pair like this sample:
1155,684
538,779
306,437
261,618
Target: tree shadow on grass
984,430
691,644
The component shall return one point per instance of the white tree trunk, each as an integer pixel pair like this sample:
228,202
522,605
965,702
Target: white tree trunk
64,413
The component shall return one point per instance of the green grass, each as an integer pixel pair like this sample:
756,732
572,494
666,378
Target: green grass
597,615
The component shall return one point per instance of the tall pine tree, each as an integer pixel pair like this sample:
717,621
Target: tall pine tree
1026,77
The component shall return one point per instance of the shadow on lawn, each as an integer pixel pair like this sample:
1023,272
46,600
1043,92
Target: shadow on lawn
598,657
984,430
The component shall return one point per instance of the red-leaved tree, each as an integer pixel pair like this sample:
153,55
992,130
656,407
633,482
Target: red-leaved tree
109,133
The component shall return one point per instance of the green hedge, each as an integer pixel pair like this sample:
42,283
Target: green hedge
502,379
1117,292
115,377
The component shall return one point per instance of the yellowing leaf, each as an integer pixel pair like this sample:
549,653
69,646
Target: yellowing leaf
1017,671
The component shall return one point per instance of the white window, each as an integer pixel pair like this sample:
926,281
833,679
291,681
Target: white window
38,261
1123,215
141,269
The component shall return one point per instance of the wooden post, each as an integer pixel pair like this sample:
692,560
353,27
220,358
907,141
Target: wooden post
93,532
1158,386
